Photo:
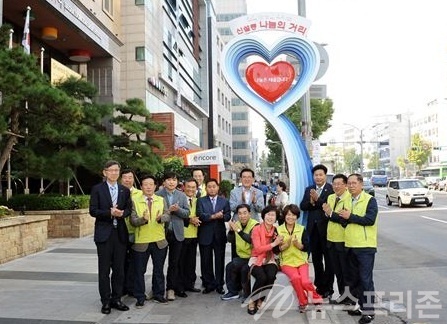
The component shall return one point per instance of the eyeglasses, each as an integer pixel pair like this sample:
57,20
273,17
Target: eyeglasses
112,170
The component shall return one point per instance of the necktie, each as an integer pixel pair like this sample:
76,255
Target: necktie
337,200
199,192
190,202
319,190
114,196
213,201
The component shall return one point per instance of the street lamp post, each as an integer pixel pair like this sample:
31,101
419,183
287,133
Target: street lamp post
283,158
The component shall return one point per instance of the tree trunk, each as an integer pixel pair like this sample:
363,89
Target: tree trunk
12,138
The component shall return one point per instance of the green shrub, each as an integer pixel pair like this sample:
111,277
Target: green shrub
225,187
46,202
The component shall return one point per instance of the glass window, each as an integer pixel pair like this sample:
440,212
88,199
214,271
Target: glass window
107,6
139,53
139,2
238,130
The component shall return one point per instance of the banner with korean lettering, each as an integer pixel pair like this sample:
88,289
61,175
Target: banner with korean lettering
275,21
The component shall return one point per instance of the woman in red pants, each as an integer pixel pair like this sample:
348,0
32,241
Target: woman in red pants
293,258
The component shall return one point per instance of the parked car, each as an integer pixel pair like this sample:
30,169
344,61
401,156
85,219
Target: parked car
368,187
442,184
407,192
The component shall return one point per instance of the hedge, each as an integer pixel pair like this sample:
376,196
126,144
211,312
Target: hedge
46,202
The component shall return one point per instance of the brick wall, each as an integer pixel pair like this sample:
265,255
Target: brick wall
167,138
22,235
68,223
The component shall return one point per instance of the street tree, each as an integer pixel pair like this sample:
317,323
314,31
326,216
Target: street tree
32,112
420,150
352,160
321,114
134,147
374,161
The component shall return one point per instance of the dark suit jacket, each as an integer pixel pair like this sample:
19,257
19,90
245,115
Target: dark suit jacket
212,230
316,216
178,217
100,204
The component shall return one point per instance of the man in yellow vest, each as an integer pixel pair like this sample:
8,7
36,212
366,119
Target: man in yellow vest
187,265
149,214
237,269
336,202
128,180
361,245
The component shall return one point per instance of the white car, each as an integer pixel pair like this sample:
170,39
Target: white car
407,192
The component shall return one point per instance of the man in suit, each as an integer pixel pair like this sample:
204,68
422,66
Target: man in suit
178,207
213,212
314,197
110,204
247,194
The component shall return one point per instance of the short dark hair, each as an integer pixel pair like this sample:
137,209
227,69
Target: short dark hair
110,163
340,176
268,209
282,185
147,176
126,171
319,167
294,209
247,170
212,180
169,175
242,206
191,180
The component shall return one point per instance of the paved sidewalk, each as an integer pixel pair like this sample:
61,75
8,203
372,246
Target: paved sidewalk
59,285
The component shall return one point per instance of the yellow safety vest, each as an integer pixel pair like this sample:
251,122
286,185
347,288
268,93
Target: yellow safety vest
243,249
191,230
292,256
336,232
359,236
134,193
152,231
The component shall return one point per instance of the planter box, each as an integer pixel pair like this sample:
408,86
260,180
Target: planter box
68,223
22,235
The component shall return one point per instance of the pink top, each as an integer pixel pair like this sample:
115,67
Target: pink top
262,248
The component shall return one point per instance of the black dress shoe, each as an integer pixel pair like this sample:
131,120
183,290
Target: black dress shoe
105,309
356,312
119,305
220,291
207,290
181,294
196,290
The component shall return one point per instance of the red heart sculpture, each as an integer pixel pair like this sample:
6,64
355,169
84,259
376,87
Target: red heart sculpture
270,82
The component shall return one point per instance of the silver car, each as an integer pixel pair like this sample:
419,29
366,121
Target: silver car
408,192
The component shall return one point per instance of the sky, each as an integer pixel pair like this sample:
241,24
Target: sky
385,56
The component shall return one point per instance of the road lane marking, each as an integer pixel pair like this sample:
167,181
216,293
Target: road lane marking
434,219
410,210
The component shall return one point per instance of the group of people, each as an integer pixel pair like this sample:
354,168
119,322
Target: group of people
342,230
134,225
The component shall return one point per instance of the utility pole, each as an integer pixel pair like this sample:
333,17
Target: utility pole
306,122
